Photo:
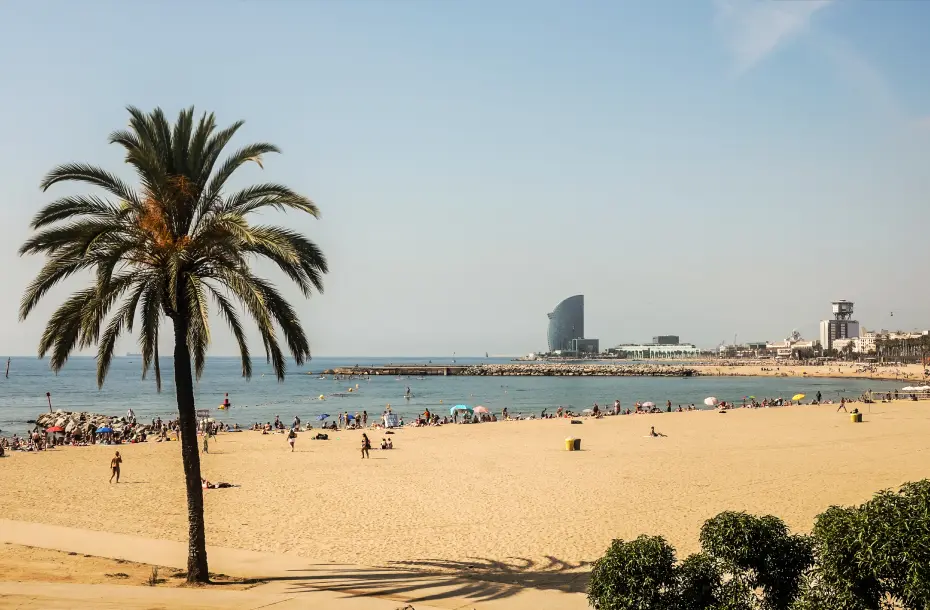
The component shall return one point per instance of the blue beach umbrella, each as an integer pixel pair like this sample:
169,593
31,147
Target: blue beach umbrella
322,417
461,408
104,430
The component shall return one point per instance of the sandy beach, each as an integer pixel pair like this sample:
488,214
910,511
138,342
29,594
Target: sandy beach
905,373
455,496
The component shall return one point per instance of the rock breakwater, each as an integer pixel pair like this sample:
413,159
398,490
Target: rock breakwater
550,369
84,424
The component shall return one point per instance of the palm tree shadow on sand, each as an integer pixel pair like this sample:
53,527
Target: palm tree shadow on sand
475,579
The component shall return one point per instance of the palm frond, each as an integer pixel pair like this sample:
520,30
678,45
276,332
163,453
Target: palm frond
64,328
252,152
199,319
81,172
54,270
294,254
96,310
149,320
243,286
181,140
214,148
232,319
276,196
75,205
78,235
121,319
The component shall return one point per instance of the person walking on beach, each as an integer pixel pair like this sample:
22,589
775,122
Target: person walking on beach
818,397
114,467
366,445
341,420
364,419
842,405
292,438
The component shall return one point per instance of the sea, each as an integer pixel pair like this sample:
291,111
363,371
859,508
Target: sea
260,399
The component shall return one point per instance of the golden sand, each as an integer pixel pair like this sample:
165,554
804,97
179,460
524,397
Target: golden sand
905,373
489,492
30,564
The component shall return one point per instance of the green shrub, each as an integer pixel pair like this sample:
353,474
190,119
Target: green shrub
700,586
760,554
637,575
874,553
870,557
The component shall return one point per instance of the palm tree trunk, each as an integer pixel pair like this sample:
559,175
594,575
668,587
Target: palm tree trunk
184,384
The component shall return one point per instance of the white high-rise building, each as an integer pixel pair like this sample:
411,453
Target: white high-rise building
842,326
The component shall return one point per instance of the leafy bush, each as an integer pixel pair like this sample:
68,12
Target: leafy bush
701,586
874,553
637,575
869,557
760,554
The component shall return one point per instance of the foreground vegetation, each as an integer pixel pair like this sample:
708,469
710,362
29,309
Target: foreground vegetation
870,557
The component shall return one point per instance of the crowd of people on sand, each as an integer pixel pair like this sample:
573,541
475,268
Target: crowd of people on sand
133,431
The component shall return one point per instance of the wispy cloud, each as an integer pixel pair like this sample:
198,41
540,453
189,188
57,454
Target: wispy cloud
753,29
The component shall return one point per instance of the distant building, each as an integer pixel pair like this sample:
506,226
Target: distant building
842,326
654,351
566,322
666,340
585,346
566,328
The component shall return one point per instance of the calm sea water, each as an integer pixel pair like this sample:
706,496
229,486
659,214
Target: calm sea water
22,395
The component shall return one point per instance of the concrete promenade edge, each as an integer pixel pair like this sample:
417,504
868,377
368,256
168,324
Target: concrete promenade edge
293,581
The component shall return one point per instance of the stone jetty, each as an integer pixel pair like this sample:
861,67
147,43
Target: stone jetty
524,369
83,424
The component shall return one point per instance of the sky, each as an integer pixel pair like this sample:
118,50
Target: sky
706,168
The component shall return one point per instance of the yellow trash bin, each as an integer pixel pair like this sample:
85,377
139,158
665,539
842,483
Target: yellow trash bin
577,444
569,444
855,417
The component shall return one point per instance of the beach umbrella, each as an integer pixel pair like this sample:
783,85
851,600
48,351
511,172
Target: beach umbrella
55,429
322,417
649,405
481,409
908,389
711,401
587,411
461,408
798,397
104,430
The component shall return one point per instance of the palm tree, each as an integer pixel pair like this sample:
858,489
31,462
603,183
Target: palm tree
165,249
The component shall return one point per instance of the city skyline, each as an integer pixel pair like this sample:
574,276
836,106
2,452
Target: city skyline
710,168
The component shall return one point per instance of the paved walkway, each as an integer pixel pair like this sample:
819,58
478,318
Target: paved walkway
293,582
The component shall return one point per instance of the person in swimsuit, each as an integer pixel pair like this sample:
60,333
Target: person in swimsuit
653,433
114,467
366,445
292,438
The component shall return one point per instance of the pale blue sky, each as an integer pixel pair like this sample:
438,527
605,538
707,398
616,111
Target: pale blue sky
693,167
